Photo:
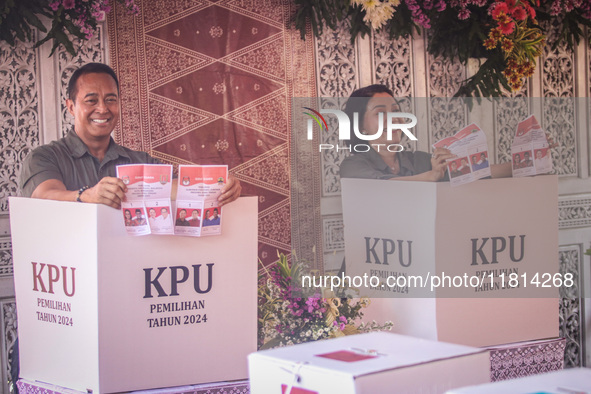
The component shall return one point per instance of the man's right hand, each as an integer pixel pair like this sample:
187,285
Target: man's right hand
109,191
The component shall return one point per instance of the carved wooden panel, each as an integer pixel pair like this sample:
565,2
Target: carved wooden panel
9,334
392,61
19,114
574,211
508,113
336,66
6,268
446,115
571,306
333,234
558,71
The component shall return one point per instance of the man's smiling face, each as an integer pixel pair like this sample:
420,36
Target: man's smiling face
95,107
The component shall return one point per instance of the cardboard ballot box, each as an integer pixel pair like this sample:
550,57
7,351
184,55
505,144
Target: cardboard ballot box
576,380
103,311
475,264
377,362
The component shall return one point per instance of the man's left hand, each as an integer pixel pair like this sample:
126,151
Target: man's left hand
230,192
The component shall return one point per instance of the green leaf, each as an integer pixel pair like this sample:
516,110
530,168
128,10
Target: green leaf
33,20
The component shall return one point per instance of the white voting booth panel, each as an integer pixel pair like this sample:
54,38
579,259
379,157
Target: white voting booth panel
488,229
377,362
104,311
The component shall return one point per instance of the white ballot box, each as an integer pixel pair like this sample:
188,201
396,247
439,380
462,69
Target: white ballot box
475,264
103,311
574,381
377,362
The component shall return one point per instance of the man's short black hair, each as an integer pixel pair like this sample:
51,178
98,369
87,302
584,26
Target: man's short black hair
89,68
356,103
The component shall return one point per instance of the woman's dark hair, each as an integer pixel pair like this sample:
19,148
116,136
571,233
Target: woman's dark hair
89,68
359,105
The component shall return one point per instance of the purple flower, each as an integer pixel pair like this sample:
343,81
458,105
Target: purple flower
464,14
69,4
55,5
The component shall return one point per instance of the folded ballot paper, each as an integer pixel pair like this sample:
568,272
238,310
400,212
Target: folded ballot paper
530,150
147,208
197,209
147,205
469,145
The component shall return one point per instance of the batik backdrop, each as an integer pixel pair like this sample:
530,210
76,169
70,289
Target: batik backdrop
210,82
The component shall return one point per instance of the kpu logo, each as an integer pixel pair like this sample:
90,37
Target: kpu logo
394,123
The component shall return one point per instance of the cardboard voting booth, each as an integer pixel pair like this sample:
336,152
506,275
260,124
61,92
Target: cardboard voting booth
103,311
377,362
475,264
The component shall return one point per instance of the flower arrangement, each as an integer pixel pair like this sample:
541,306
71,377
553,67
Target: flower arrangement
76,17
287,317
521,44
507,34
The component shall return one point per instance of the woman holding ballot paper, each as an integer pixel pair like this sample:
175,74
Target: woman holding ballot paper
379,162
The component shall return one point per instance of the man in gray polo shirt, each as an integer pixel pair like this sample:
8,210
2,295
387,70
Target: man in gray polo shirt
82,166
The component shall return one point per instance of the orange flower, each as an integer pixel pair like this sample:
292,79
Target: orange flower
507,45
490,43
529,70
495,34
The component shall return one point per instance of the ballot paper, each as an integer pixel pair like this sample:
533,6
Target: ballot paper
530,151
198,212
472,162
147,205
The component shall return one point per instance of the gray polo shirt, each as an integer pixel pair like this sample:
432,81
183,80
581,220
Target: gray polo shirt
68,160
370,165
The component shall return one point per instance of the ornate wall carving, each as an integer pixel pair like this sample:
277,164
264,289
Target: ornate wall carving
508,113
559,118
392,61
333,234
393,67
19,113
9,334
6,268
336,66
570,307
446,115
336,63
574,212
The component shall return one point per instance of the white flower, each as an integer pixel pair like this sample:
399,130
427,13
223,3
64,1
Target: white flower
379,13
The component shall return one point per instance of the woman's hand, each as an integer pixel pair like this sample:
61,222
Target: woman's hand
439,163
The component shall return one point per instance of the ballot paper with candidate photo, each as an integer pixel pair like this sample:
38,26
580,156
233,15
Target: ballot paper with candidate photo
530,151
471,149
198,210
147,205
